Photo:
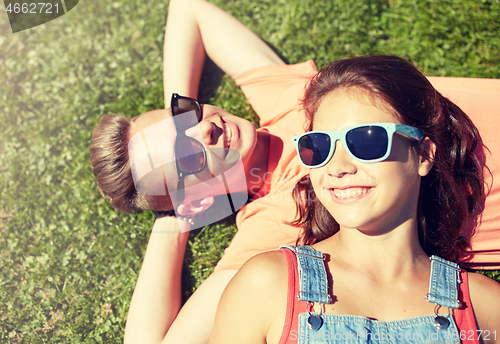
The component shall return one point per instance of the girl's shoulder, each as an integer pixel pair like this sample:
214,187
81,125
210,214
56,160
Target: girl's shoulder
268,269
256,295
263,276
485,298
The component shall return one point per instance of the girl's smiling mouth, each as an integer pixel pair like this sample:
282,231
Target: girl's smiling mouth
350,194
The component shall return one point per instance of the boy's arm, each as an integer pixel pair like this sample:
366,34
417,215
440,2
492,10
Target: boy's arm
196,27
154,316
157,295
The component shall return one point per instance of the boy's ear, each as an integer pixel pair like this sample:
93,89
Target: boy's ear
427,157
195,207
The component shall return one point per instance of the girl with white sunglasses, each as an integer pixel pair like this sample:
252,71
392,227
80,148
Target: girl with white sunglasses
395,173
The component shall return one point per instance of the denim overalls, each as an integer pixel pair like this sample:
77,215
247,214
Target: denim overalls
323,328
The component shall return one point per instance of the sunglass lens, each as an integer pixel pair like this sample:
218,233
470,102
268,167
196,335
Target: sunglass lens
314,148
367,143
187,113
189,155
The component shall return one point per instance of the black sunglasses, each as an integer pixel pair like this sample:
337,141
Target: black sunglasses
190,155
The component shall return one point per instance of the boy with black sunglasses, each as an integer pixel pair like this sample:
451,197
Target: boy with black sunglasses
218,141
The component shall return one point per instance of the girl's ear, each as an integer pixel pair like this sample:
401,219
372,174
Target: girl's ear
195,207
427,157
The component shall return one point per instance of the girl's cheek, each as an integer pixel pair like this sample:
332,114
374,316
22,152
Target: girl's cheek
317,175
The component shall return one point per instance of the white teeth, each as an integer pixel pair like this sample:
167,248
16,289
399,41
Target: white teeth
229,135
349,193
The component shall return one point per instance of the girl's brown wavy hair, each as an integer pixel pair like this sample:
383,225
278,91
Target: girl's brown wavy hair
452,190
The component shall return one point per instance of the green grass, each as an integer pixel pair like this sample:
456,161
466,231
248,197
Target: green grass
68,261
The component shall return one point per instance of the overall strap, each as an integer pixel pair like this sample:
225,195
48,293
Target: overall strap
443,285
313,281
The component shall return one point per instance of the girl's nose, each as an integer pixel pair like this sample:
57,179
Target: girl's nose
341,162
